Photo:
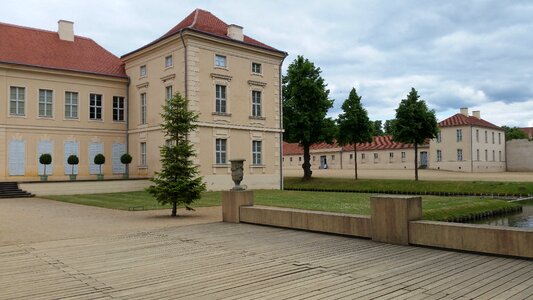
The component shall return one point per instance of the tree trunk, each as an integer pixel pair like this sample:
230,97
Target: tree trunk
355,159
174,208
416,162
306,165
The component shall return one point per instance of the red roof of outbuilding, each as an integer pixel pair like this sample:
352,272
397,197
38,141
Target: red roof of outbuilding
205,22
42,48
528,131
461,120
379,143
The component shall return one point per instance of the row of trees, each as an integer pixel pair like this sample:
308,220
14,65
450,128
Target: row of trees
306,103
99,159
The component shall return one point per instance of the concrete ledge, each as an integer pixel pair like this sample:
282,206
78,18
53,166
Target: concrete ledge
84,187
338,223
471,237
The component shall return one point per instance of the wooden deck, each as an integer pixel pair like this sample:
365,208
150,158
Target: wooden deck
239,261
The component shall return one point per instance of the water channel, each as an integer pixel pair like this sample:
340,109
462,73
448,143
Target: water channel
523,219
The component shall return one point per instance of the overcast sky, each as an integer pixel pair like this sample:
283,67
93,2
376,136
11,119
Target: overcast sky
475,54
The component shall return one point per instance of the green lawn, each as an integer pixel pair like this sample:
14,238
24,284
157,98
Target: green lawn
411,186
434,207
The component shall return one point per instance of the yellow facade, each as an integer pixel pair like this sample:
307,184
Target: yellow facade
24,133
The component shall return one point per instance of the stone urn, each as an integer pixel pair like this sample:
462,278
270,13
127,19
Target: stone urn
237,173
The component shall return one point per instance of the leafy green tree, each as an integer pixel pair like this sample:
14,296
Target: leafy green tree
45,159
377,128
387,127
354,125
178,182
305,105
514,133
414,123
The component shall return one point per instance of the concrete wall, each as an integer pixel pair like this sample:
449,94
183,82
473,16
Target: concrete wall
338,223
469,237
520,156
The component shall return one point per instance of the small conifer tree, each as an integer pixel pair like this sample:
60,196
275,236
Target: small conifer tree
178,182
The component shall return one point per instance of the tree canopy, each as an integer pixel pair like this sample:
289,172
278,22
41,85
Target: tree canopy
514,133
305,105
178,182
377,128
354,125
414,123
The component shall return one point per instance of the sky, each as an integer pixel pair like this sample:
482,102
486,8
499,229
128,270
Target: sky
475,54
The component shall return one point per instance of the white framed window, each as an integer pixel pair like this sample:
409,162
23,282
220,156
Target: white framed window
71,105
333,157
403,156
486,155
17,101
45,103
143,108
220,99
118,108
493,155
459,154
391,154
256,68
220,151
459,135
143,154
256,153
351,156
493,140
439,137
499,138
169,61
220,61
439,155
300,158
477,154
95,107
256,103
168,92
362,156
142,71
486,137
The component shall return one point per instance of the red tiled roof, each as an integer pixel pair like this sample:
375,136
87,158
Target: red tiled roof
384,142
205,22
42,48
461,120
379,143
528,131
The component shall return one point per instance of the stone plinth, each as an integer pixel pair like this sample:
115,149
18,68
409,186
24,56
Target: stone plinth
231,203
391,216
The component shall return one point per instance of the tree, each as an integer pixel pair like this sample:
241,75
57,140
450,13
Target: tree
99,159
73,160
354,125
514,133
45,159
377,128
126,159
305,105
387,127
414,123
178,181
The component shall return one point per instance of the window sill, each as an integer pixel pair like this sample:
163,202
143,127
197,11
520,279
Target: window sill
256,118
142,167
222,68
256,74
96,120
18,116
257,166
45,118
221,165
221,114
71,119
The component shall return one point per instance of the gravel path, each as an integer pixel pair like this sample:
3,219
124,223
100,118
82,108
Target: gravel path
27,220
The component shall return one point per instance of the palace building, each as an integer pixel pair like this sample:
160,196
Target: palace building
64,94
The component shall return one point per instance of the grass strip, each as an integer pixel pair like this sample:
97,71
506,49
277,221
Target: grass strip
433,207
411,186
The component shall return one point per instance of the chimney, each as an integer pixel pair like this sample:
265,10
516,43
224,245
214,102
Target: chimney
464,111
65,30
235,32
477,114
